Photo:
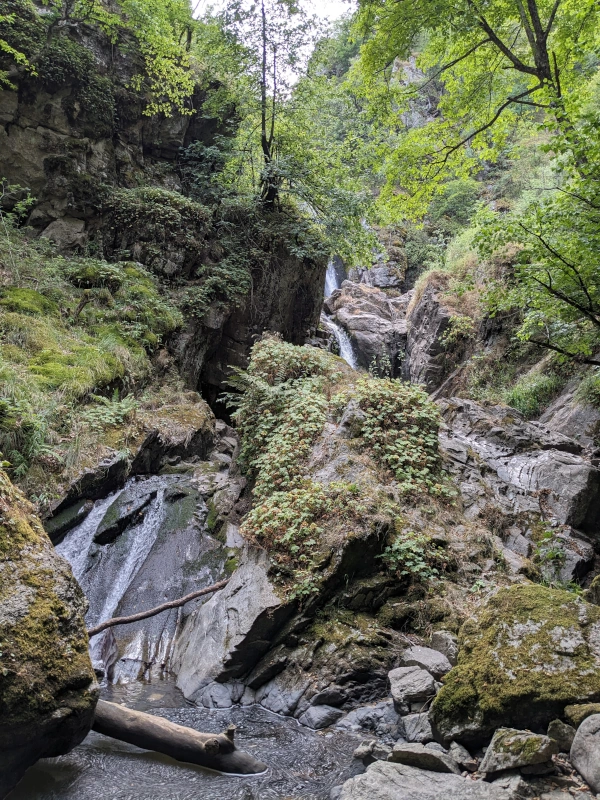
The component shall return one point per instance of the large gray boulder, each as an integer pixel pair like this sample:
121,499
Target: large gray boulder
526,655
425,657
222,639
386,781
47,686
585,751
410,685
416,755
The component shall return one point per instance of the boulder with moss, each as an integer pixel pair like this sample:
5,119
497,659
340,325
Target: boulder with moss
526,655
47,685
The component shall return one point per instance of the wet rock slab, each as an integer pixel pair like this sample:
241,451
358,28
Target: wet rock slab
386,781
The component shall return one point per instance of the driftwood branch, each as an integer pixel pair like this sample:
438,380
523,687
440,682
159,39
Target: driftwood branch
212,750
151,612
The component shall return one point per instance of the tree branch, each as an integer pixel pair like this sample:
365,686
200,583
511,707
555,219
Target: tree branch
556,349
110,623
514,60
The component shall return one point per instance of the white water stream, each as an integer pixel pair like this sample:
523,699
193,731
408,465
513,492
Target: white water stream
332,282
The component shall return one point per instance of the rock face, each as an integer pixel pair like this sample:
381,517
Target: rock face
513,471
573,418
47,689
426,360
375,322
230,631
416,755
386,781
411,688
524,656
433,661
585,751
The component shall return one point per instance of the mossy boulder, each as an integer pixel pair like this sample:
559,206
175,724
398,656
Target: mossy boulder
47,685
528,653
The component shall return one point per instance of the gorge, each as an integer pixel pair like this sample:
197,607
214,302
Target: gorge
235,353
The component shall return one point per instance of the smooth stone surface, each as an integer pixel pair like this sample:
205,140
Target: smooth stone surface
511,749
432,660
416,755
317,717
585,752
417,728
410,685
447,643
387,781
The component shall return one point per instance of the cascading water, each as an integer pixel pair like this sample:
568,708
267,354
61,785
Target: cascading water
164,552
333,281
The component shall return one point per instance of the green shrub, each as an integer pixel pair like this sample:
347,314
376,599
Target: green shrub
411,555
401,430
588,390
533,392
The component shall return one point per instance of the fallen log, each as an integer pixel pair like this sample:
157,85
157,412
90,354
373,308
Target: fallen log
212,750
151,612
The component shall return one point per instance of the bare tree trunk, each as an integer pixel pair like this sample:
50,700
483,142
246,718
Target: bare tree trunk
152,612
214,751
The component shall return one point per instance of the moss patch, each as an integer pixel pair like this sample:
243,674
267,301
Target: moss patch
44,661
529,652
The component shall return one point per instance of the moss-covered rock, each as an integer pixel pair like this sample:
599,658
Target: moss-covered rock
528,653
577,713
47,694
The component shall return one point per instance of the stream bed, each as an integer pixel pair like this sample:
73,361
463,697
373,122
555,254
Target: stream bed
302,763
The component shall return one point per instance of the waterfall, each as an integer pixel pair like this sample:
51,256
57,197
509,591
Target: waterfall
162,554
333,280
335,275
343,340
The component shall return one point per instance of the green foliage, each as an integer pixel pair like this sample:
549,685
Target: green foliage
26,301
455,202
411,555
288,393
401,429
87,327
588,390
21,34
555,238
532,393
104,413
282,411
91,104
461,328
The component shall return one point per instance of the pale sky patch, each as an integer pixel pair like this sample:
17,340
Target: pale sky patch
326,9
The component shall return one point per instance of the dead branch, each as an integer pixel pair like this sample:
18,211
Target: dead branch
110,623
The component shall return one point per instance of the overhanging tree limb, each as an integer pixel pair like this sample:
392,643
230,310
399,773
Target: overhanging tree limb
110,623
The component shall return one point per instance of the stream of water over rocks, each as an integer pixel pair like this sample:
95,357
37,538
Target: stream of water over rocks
302,763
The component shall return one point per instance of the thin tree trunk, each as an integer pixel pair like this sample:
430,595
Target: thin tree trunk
213,750
152,612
